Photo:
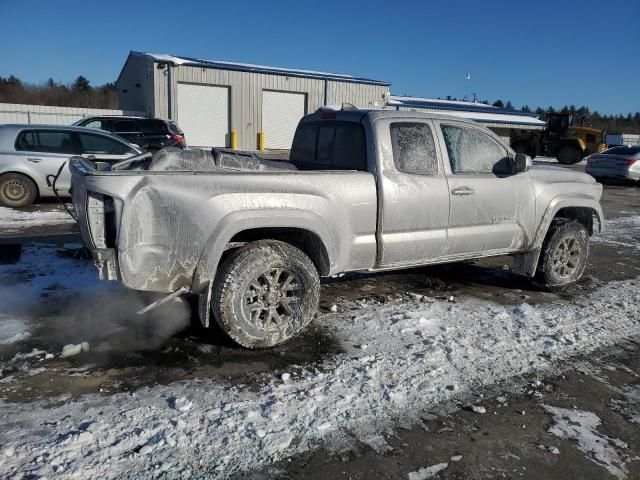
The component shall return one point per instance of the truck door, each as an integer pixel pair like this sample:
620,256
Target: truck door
487,199
413,193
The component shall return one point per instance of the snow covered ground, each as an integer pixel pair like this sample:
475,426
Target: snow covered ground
398,361
614,227
13,220
581,426
39,270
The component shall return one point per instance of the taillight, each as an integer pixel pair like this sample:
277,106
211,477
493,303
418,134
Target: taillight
630,161
178,139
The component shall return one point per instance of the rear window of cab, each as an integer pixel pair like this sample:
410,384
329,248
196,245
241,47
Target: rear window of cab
330,145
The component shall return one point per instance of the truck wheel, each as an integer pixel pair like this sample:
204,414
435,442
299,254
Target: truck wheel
17,190
564,254
265,293
568,155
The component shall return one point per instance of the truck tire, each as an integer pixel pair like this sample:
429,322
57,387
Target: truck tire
564,254
568,154
17,190
265,293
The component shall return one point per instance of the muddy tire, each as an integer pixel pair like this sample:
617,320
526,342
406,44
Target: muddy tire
17,190
568,155
564,254
265,293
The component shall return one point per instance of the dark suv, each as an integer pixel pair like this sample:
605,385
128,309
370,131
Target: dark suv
150,134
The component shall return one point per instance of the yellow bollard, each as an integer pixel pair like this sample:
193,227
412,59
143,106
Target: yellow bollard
234,139
261,141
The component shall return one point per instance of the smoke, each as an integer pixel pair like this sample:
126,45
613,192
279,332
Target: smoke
54,295
107,318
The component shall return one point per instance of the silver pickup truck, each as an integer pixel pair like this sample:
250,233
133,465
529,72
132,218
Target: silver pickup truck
361,191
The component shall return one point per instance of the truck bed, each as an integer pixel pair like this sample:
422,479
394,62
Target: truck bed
162,224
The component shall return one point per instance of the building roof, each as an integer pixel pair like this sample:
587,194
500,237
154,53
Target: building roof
248,67
480,112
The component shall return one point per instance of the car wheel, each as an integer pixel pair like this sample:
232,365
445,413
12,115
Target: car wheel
564,254
17,190
266,292
568,155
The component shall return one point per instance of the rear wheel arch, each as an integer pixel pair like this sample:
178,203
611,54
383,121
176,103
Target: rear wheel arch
314,243
309,242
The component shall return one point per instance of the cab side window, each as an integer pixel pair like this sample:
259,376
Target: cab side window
414,149
471,151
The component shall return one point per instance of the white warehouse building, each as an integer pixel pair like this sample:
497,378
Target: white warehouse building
500,120
210,99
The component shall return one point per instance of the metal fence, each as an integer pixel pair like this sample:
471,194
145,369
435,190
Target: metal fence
49,115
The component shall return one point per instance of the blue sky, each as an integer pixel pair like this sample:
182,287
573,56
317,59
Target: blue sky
537,53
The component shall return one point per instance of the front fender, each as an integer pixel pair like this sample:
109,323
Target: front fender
526,263
563,201
236,222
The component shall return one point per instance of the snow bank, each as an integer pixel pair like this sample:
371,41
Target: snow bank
12,219
419,354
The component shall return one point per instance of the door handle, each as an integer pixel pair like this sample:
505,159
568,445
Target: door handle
463,191
34,160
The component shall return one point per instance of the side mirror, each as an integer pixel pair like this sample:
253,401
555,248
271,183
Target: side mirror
520,163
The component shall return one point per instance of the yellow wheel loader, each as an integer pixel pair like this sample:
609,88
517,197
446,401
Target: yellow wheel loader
561,139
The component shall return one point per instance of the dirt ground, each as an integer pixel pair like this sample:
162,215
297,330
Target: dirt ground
500,445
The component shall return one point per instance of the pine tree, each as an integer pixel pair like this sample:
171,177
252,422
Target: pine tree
81,84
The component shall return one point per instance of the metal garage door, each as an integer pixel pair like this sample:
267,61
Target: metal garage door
281,112
203,114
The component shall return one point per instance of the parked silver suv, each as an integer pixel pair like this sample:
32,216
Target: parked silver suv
28,153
